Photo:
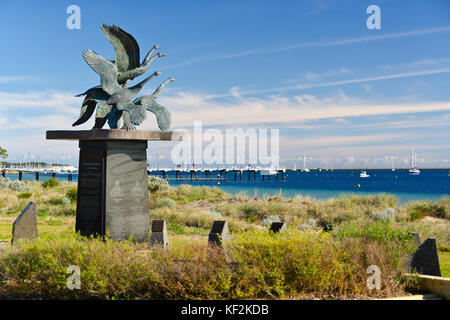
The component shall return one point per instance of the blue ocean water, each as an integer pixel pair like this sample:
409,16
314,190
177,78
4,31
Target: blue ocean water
431,184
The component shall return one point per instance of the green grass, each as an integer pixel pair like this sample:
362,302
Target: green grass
313,263
249,267
444,262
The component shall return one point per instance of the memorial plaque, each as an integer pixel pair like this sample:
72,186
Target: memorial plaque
159,234
218,233
126,198
426,260
90,206
25,226
278,227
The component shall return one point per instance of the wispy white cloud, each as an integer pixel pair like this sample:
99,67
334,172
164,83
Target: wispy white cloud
321,141
397,35
347,81
9,79
188,107
50,101
23,130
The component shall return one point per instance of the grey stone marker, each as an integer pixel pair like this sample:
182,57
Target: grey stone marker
25,226
426,260
159,234
218,233
416,239
278,227
113,181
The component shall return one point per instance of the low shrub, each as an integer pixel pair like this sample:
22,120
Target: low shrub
270,219
385,215
65,201
311,223
311,265
421,210
379,230
214,213
157,184
15,185
24,195
50,183
169,203
72,194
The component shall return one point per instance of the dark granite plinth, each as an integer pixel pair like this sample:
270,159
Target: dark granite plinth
25,226
278,227
426,260
218,233
112,181
112,190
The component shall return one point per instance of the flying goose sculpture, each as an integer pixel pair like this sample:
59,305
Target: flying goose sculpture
127,54
114,101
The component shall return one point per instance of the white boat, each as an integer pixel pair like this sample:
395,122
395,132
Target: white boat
364,174
305,169
393,169
413,170
269,172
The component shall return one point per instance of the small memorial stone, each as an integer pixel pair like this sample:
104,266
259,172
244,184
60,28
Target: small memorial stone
425,260
416,238
327,227
25,226
218,233
159,236
278,227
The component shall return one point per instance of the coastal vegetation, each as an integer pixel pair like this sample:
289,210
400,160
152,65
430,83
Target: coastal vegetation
303,262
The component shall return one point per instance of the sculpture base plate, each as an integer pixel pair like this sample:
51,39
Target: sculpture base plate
113,134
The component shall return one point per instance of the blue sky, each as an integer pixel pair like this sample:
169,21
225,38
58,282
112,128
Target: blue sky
334,88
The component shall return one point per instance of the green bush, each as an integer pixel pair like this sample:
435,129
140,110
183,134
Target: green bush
72,194
157,184
50,183
169,203
270,219
56,201
380,230
15,185
421,210
24,195
387,215
65,201
253,265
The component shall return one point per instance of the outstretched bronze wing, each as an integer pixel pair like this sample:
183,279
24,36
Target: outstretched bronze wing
162,114
125,46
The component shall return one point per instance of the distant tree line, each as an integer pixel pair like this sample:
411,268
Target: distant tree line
3,153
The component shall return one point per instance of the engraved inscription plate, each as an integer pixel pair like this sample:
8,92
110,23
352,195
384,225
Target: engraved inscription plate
127,212
89,219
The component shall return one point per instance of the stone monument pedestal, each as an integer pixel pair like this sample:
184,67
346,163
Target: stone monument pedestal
112,181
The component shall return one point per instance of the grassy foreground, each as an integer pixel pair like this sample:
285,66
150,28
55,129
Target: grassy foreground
301,263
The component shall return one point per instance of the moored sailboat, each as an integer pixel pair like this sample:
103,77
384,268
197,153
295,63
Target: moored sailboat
413,170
